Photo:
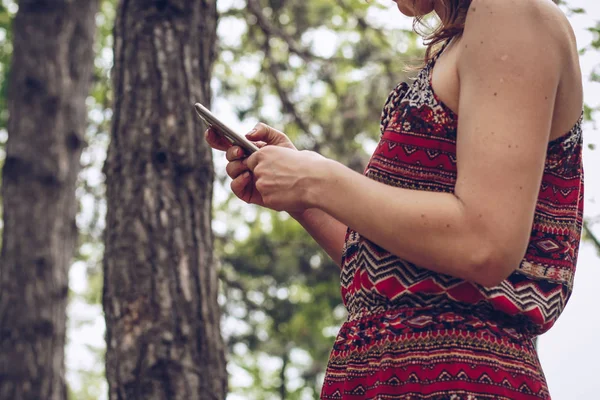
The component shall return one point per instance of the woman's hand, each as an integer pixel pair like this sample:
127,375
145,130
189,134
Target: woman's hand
326,230
286,179
242,184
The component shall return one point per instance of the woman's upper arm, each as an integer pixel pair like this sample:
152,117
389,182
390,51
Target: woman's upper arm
509,73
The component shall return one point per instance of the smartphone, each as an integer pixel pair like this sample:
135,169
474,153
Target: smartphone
219,126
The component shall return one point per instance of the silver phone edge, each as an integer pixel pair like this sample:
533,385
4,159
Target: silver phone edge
225,130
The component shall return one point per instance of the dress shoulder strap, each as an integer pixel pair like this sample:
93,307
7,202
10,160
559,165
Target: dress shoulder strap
439,52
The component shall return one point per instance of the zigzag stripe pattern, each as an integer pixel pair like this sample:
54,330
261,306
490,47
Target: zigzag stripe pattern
415,334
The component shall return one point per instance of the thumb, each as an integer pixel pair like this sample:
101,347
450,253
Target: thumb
252,161
265,133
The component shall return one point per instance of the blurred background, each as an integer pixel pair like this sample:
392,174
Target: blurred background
318,70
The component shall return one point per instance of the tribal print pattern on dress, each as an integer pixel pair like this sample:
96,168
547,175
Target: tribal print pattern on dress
415,334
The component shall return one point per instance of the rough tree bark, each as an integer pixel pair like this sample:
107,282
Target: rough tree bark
160,282
49,81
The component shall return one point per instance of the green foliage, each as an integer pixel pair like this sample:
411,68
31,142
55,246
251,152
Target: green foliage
281,288
596,31
325,97
7,9
281,291
595,76
90,383
7,12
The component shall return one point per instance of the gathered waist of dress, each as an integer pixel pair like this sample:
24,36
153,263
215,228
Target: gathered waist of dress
452,316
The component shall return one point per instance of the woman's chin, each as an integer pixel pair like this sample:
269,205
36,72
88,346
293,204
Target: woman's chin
412,12
408,11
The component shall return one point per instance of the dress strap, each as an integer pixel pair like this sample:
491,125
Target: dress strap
441,50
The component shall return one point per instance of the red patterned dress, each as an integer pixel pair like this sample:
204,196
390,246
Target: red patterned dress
415,334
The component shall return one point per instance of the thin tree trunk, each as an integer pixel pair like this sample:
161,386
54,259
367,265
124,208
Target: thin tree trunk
282,387
49,81
160,283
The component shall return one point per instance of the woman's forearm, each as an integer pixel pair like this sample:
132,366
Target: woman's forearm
327,231
429,229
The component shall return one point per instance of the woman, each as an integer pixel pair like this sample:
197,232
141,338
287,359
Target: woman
458,245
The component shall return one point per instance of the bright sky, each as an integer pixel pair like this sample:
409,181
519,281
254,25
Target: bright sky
569,352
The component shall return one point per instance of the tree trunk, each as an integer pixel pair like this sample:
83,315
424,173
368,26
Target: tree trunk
49,81
160,283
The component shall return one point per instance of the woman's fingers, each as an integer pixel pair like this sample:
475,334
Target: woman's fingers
269,135
235,168
216,141
234,153
265,133
241,186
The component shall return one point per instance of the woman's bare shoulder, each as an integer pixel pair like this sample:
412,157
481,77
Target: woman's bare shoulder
540,24
530,41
